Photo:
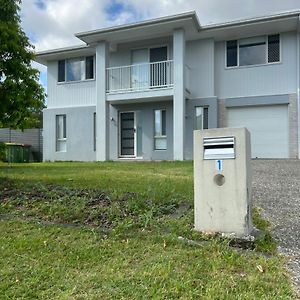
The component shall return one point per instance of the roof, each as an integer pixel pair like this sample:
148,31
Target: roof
280,15
60,53
162,27
188,19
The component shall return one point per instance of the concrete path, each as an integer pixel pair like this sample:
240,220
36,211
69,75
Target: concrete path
276,189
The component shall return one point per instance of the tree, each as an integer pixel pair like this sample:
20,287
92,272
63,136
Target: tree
21,95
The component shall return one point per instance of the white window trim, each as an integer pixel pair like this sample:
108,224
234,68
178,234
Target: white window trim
77,81
64,139
195,117
161,136
256,65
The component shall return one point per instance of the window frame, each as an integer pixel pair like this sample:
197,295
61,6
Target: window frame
205,112
57,138
161,136
267,52
77,81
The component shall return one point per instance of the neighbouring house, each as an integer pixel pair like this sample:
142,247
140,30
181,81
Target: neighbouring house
139,90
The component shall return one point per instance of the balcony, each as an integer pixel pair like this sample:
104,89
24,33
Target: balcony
139,77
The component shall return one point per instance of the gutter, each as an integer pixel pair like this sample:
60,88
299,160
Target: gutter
249,21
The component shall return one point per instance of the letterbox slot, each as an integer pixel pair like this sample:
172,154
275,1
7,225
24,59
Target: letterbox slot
219,148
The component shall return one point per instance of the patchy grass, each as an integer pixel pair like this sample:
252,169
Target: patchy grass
110,231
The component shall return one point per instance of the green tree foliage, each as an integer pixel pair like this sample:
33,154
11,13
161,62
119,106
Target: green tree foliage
21,95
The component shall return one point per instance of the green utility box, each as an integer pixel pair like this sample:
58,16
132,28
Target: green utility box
17,153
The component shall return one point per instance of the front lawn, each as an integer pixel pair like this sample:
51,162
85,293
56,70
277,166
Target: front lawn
110,231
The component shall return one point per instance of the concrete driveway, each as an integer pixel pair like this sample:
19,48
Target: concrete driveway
276,189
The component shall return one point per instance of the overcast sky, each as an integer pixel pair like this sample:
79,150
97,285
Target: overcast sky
52,23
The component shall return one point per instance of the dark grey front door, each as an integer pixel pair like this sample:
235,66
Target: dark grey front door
127,134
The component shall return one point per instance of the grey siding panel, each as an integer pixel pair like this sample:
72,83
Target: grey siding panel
262,100
80,134
200,59
31,137
272,79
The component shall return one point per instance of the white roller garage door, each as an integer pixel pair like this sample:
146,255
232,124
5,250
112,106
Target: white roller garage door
268,126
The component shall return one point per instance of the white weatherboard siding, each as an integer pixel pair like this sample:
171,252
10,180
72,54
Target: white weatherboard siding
270,79
268,126
69,94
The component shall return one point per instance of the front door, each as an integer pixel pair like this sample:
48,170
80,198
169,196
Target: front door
127,134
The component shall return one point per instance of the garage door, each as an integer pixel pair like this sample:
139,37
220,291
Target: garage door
268,126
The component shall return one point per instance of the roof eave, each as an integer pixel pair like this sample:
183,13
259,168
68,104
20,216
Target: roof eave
43,57
279,16
188,15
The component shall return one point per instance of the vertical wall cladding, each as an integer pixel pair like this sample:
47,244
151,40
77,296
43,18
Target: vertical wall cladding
269,79
293,125
201,60
69,94
147,116
79,134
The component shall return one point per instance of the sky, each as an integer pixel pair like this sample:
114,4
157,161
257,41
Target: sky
52,23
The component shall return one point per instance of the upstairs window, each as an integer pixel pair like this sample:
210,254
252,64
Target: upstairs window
89,67
273,48
253,51
61,71
76,69
231,54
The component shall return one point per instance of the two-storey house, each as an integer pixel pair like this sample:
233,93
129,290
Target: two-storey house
138,91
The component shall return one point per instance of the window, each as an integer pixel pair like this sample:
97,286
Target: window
61,71
201,118
61,134
76,69
89,67
253,51
273,48
160,137
231,53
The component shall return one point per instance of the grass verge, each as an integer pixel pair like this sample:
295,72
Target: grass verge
110,231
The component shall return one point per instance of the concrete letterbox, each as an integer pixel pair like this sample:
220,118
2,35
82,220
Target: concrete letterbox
222,181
